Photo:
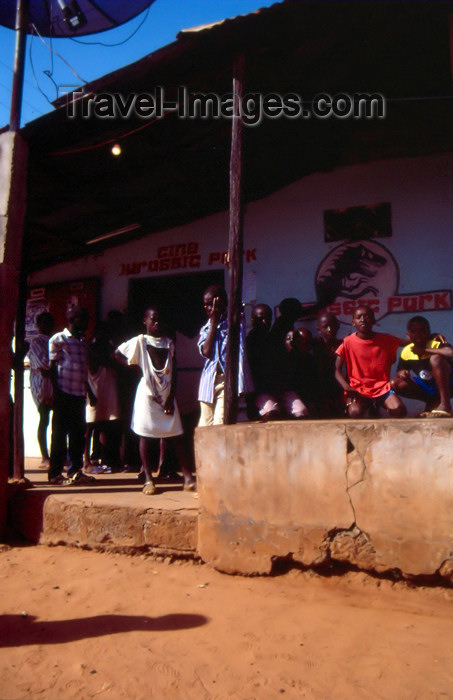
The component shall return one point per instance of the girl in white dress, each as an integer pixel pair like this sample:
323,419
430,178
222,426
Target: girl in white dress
155,414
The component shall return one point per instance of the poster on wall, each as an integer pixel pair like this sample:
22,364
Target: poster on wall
56,297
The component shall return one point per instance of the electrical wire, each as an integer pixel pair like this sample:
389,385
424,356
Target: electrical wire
49,73
59,55
119,137
32,65
33,107
12,71
133,131
5,105
120,43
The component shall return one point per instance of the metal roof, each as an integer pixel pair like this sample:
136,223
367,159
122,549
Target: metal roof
174,170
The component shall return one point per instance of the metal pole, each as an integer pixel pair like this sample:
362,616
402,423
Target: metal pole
19,64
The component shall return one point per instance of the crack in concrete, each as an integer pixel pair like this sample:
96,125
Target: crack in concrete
331,536
355,452
347,544
350,448
357,443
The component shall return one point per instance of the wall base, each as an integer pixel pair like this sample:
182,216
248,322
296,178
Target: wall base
376,494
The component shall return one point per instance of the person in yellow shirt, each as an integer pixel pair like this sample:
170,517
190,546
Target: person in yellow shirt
425,369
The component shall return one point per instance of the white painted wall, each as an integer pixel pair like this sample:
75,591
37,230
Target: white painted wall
286,231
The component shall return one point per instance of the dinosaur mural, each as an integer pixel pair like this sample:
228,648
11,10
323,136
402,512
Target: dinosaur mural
364,271
350,273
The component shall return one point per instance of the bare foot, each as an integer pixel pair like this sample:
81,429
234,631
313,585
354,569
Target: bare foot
89,467
45,464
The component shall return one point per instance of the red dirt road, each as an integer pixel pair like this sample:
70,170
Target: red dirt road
78,625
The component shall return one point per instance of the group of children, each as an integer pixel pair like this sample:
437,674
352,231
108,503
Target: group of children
424,370
292,372
59,382
74,379
283,373
326,377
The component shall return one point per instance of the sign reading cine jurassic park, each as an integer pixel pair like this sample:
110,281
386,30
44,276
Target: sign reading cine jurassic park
169,257
180,256
365,272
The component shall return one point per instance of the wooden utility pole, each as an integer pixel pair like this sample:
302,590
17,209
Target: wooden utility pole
13,179
235,247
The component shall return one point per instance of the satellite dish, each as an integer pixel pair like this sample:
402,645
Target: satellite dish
59,18
65,18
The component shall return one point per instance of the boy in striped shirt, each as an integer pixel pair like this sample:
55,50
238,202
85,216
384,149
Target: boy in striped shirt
212,345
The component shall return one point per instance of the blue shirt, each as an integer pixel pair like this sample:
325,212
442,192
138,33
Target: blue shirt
217,362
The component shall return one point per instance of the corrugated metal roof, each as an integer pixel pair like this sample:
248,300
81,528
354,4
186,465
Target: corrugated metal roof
219,23
175,170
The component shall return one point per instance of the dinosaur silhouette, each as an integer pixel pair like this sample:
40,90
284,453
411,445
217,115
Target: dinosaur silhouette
349,274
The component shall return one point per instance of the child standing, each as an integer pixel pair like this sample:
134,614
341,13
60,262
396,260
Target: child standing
368,357
155,414
68,355
103,417
212,345
40,382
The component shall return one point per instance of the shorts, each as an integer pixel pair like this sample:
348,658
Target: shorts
375,403
429,386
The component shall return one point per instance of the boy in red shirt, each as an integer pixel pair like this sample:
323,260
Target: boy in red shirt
368,357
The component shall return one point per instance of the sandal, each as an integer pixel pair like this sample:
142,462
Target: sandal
59,480
102,469
190,484
149,488
82,479
436,413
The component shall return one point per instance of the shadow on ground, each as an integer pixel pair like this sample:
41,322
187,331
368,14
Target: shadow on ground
24,629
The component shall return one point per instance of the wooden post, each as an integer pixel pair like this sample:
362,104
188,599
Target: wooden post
13,188
235,246
13,174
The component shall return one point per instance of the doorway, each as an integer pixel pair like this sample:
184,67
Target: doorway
181,299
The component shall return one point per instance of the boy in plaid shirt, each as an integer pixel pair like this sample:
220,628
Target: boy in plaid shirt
68,356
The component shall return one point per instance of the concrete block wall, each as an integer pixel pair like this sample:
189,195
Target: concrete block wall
377,494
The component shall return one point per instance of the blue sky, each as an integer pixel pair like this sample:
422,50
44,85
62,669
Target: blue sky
154,28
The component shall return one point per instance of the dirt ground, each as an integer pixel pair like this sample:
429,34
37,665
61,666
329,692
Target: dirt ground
80,624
